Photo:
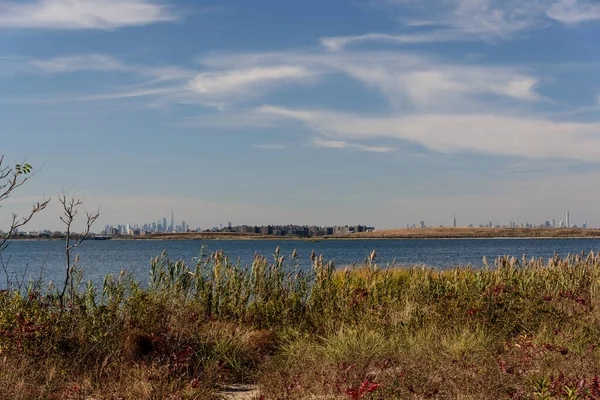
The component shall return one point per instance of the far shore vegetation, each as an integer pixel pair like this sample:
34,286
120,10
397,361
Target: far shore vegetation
414,233
513,329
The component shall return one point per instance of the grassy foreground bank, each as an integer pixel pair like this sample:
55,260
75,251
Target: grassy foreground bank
520,329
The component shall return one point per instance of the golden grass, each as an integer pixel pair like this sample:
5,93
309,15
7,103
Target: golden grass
514,329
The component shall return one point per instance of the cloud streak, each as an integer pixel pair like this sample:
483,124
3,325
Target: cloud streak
82,14
342,144
269,146
236,81
443,105
76,63
337,43
153,80
91,63
528,137
574,11
487,20
422,81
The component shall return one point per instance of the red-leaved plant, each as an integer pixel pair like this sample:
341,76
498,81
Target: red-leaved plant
359,392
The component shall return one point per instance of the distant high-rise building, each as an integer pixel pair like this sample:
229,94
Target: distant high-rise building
454,221
567,221
183,226
584,226
422,224
553,223
172,226
164,224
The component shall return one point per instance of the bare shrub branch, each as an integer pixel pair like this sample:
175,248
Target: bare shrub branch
70,209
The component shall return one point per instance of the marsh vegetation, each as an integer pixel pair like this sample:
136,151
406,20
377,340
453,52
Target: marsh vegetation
523,329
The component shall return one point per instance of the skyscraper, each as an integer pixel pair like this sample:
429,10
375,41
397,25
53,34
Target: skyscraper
164,225
567,221
172,226
454,221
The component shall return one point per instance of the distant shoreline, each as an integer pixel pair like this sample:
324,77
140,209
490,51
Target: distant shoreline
413,234
388,234
481,233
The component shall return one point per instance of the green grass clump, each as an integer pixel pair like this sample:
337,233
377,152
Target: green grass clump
522,329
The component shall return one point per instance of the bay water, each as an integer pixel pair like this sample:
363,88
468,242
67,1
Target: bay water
45,258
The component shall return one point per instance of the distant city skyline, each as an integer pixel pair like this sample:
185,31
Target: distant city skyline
164,224
385,112
548,223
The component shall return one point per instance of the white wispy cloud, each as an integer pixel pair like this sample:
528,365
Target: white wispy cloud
423,81
342,144
468,20
574,11
82,14
426,87
529,137
485,19
235,78
232,82
75,63
114,96
447,105
336,43
270,146
102,63
495,18
150,80
433,88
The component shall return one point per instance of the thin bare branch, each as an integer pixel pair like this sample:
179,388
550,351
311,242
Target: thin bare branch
17,222
70,210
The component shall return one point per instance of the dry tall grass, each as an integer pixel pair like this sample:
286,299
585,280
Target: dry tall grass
522,329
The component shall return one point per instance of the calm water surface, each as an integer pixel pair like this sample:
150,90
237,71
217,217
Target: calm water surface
98,258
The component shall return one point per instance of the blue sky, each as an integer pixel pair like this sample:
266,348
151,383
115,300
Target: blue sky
379,112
